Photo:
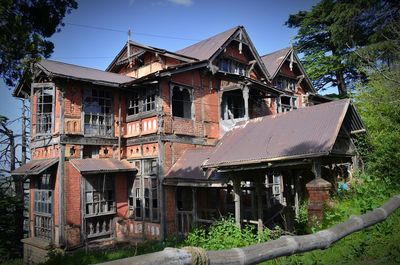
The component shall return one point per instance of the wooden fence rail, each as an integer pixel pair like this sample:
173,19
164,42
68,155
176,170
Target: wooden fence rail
284,246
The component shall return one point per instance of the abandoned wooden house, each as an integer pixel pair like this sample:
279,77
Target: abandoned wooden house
161,141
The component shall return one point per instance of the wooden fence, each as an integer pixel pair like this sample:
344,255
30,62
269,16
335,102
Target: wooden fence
284,246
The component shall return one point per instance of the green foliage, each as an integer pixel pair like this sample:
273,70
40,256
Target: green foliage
93,257
25,28
224,234
9,243
12,262
379,105
334,33
375,245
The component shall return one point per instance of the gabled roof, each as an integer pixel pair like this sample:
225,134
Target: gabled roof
205,49
298,134
71,71
273,61
148,49
210,48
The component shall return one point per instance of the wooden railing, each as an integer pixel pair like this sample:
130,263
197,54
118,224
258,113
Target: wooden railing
284,246
185,220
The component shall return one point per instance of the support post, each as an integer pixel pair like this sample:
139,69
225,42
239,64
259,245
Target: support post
194,207
246,101
259,189
318,192
238,192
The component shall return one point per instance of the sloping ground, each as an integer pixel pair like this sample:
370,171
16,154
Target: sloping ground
379,244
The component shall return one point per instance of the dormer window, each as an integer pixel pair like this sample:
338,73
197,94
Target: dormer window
232,66
286,84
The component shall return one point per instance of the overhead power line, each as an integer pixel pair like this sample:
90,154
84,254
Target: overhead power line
135,33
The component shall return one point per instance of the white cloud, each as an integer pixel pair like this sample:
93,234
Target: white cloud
182,2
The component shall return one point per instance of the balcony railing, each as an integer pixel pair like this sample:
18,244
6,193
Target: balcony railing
101,226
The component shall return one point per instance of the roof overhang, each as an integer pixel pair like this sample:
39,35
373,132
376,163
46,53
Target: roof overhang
34,167
98,166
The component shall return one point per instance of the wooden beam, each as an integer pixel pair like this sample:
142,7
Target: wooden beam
237,199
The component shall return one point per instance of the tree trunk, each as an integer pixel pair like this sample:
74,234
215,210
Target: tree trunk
341,84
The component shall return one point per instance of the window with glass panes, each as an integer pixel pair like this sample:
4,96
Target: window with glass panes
97,106
44,108
143,192
43,207
142,101
99,206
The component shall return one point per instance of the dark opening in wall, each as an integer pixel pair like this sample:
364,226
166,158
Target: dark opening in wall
232,105
181,102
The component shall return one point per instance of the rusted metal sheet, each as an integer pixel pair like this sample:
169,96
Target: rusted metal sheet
205,49
81,73
34,167
95,166
306,132
272,61
188,167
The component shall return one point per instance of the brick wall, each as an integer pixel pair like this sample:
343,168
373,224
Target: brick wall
170,214
72,195
121,194
50,151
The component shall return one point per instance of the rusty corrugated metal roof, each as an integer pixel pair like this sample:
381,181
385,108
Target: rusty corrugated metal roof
77,72
205,49
34,167
188,166
306,132
272,61
95,166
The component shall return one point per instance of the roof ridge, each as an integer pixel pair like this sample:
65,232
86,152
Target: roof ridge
271,53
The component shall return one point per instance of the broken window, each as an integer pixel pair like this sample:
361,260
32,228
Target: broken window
274,184
43,207
232,66
91,151
232,105
99,205
181,102
287,103
285,83
142,101
98,117
44,107
143,191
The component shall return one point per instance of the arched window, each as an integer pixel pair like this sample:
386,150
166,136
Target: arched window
181,102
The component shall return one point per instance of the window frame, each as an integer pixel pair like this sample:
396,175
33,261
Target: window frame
103,130
232,66
102,219
35,87
43,197
285,107
190,105
143,101
143,192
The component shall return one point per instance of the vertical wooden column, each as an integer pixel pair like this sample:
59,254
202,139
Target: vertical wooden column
259,191
246,101
194,207
238,193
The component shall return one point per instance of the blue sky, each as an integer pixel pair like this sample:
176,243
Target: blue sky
95,32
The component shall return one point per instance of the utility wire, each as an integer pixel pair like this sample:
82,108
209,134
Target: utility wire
124,31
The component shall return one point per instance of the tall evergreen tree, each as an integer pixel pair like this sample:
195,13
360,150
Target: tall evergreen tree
331,32
25,26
